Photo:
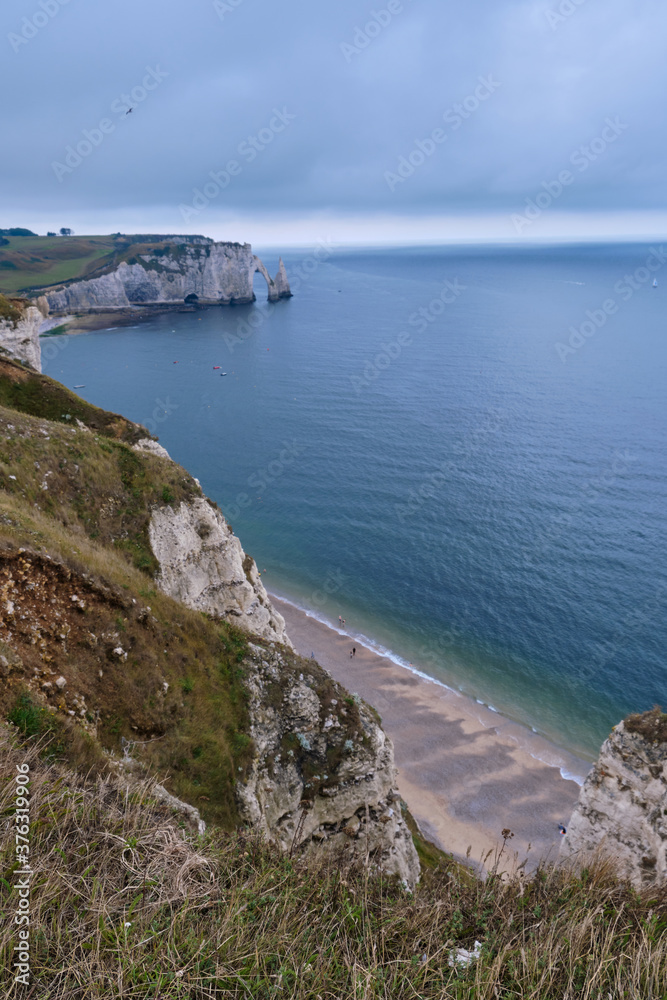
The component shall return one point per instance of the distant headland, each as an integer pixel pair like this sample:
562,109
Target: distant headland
68,274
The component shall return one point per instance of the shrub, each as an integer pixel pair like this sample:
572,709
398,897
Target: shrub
28,717
651,725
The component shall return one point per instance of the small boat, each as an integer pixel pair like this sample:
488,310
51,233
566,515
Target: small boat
80,386
215,367
222,373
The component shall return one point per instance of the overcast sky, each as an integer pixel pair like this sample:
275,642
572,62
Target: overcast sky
399,119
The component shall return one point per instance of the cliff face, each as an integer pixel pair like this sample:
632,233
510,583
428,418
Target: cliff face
282,284
209,274
246,731
279,286
622,807
323,774
20,337
323,770
203,565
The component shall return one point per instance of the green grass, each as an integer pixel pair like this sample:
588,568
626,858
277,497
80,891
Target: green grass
49,260
38,395
85,498
29,718
10,310
89,481
30,262
177,697
128,904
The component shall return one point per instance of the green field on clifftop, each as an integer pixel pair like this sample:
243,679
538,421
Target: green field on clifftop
33,261
28,262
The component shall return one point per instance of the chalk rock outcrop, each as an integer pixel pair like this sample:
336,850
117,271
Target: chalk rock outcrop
622,807
323,773
279,286
207,274
20,338
152,447
203,565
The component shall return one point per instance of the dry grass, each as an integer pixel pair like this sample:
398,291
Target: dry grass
89,483
11,310
193,734
127,902
30,392
651,725
227,916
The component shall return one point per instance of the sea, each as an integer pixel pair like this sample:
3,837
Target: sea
460,451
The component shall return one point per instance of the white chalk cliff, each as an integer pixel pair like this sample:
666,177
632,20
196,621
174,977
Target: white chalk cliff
622,808
205,273
20,339
323,774
203,565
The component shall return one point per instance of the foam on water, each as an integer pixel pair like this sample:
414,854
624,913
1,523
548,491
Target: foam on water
528,740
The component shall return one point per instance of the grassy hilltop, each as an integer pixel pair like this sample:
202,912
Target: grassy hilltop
128,900
75,502
28,262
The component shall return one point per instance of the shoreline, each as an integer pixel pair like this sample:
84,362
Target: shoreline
466,771
108,320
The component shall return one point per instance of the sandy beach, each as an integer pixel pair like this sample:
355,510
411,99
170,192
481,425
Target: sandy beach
466,772
113,318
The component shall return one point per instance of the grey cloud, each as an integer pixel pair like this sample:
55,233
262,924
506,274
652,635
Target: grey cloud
357,112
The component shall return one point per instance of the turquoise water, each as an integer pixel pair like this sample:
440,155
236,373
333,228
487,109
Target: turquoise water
485,507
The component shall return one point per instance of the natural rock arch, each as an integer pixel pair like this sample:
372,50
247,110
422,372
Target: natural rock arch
278,288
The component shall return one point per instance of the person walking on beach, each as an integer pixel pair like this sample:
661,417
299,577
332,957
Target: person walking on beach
354,651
